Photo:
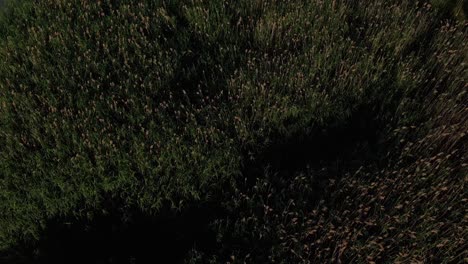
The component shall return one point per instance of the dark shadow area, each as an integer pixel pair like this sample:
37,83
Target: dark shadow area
350,142
140,238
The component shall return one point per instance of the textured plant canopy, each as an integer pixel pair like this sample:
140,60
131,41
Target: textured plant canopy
306,131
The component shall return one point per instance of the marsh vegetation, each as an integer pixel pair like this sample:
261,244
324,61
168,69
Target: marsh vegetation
210,131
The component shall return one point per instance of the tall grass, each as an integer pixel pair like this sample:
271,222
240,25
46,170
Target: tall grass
181,103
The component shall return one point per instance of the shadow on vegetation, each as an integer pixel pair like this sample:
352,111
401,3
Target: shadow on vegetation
165,238
350,142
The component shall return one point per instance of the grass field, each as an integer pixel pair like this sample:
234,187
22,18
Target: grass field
210,131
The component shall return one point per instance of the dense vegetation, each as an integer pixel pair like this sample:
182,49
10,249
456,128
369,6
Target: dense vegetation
210,131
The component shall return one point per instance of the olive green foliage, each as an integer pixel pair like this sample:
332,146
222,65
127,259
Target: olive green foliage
150,103
455,8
